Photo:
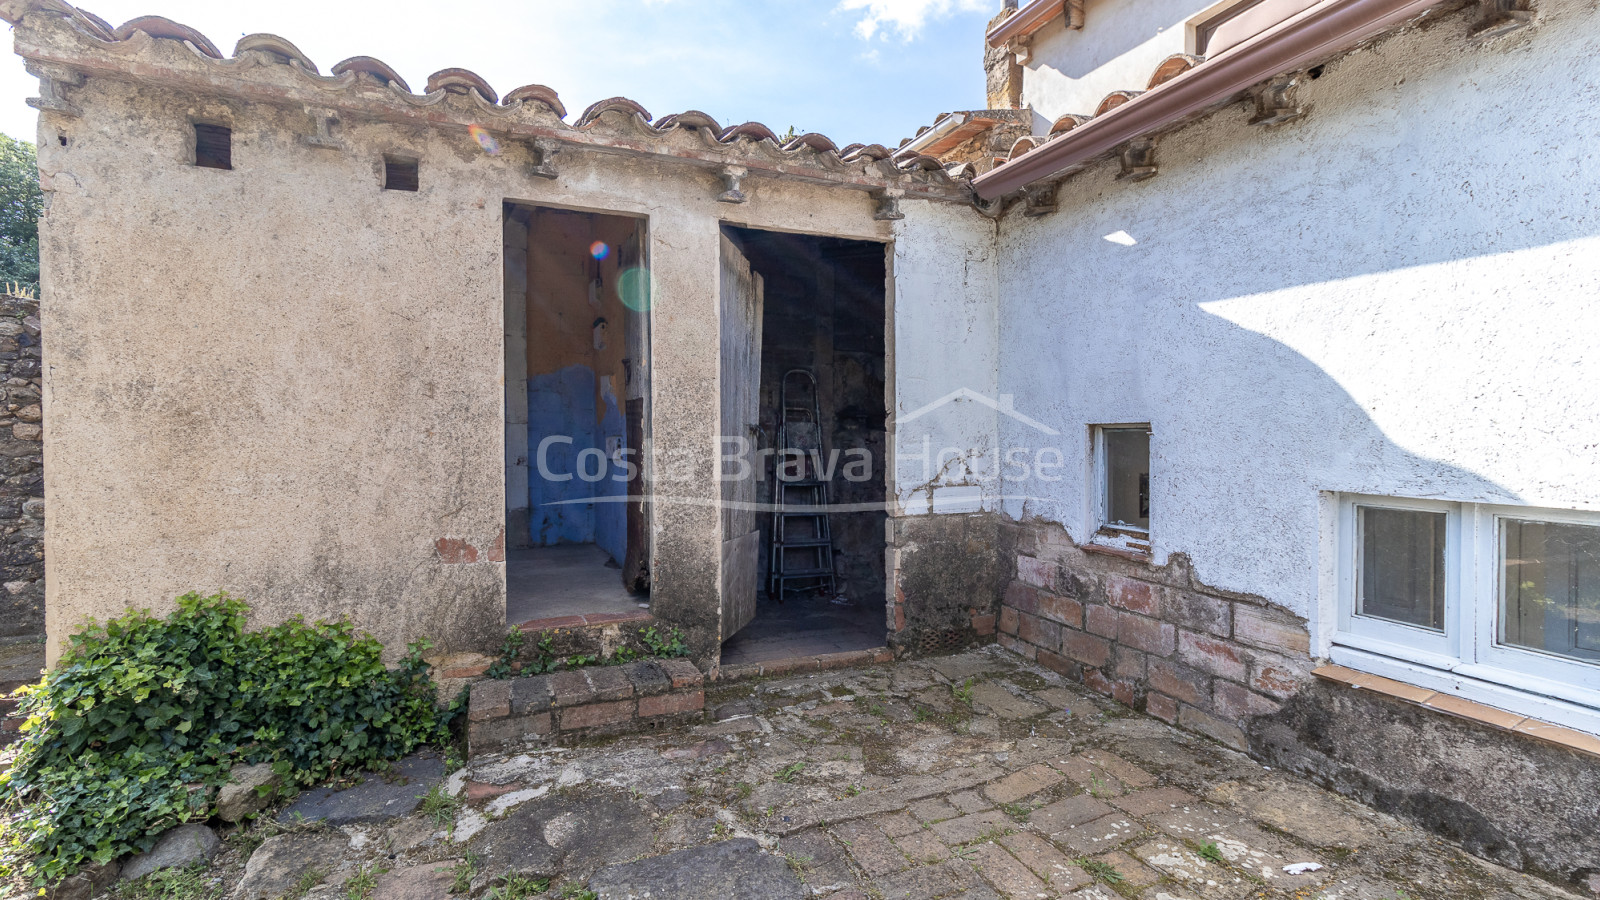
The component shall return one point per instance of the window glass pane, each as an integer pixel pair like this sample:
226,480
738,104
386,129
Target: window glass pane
1128,476
1402,566
1550,594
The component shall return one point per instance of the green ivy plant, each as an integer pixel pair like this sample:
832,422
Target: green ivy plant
143,717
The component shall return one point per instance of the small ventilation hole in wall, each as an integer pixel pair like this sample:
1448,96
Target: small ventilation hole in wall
1315,72
213,146
399,174
62,138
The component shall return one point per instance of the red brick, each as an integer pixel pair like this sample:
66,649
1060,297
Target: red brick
1022,598
1057,663
1036,572
1008,620
899,617
1061,609
1210,655
596,714
489,700
465,671
1128,663
1040,632
1102,620
1086,648
609,683
683,673
1148,635
1132,595
983,625
1179,681
1231,701
1018,647
1125,692
1199,612
1097,680
1199,720
671,704
454,551
571,688
1162,707
1252,625
1277,678
477,790
551,623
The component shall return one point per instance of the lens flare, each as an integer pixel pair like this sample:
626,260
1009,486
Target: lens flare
633,286
484,139
599,250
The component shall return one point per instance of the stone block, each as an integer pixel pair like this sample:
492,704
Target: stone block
1009,620
1045,861
1277,676
1037,573
1232,701
595,715
507,734
1065,814
647,677
672,704
1017,785
1196,719
1022,598
1180,682
1199,612
489,700
177,848
983,625
1162,707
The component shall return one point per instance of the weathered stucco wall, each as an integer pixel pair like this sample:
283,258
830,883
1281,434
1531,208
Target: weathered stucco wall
293,389
1119,47
1393,295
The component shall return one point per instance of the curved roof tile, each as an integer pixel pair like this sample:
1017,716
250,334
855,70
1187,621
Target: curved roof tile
274,45
1067,122
1114,100
1172,67
817,142
377,68
610,104
461,81
754,131
158,27
1022,145
924,162
538,93
692,118
867,151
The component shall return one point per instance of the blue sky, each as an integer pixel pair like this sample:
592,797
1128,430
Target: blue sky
856,70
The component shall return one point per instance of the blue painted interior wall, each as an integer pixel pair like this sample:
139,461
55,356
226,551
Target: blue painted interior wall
573,403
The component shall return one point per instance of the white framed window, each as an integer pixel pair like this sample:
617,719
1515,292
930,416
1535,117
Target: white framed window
1122,485
1497,604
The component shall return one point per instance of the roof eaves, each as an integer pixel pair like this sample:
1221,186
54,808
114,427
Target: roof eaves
1029,19
1328,28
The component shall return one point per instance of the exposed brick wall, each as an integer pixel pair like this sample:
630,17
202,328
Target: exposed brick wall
21,473
1152,637
516,713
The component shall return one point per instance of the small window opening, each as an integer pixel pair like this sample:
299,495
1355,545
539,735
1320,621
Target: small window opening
213,146
1126,473
399,174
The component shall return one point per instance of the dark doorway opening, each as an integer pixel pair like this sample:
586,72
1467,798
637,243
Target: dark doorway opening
577,414
820,581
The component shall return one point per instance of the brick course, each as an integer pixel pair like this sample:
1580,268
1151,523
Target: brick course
1154,639
517,713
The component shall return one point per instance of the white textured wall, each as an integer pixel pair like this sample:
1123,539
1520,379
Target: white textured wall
945,355
1399,294
1118,49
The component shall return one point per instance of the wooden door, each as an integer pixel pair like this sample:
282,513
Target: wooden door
741,408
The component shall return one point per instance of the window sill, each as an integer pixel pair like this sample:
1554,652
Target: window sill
1121,543
1452,705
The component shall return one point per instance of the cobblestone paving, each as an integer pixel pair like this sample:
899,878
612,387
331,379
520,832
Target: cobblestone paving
970,776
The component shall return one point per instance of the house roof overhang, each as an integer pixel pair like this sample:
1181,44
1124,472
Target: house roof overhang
1029,19
1326,29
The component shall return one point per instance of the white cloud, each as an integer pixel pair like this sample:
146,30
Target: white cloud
906,17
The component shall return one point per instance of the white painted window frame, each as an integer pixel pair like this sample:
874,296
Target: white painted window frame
1102,480
1467,660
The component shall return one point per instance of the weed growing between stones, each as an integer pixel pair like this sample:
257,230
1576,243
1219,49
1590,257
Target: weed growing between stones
171,884
111,755
361,885
519,887
439,806
1099,871
462,873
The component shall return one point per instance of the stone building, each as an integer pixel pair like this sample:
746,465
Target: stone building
1231,361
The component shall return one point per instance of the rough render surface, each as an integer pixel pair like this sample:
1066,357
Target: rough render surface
346,348
1370,299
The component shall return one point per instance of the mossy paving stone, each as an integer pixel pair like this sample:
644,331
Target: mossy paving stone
733,868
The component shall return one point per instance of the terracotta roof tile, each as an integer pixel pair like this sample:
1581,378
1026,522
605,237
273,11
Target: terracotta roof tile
1022,145
612,104
537,93
375,68
281,50
1172,67
158,27
1114,100
460,81
865,166
1067,122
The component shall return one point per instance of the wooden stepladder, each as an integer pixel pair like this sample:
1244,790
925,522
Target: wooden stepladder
801,548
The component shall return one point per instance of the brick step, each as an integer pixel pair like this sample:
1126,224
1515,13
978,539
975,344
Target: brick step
520,713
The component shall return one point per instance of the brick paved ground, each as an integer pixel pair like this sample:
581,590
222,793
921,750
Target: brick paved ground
971,776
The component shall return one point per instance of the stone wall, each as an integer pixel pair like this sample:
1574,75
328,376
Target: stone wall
949,573
21,473
1151,636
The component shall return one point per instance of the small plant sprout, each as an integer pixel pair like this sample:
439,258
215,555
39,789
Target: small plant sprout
787,773
1099,871
963,693
1212,852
